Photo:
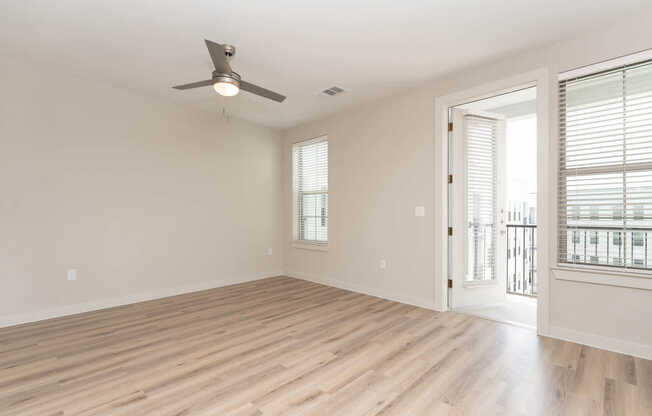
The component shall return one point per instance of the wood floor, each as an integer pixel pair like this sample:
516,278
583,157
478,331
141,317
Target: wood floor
282,346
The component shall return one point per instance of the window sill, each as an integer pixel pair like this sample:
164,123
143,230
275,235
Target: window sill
603,277
305,245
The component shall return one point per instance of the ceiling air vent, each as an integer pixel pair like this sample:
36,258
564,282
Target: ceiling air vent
333,91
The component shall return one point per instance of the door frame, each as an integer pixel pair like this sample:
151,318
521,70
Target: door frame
540,79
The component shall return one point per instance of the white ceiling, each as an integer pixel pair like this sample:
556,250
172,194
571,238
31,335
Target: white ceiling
370,48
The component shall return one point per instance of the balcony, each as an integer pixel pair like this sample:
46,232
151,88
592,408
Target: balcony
521,259
607,246
582,244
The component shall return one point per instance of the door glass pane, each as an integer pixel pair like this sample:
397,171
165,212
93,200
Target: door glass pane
480,147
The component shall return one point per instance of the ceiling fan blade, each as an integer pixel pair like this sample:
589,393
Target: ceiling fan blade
218,56
194,85
255,89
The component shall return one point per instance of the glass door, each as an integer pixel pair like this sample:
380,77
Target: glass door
478,211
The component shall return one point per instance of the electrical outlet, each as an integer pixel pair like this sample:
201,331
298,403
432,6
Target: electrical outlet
382,264
270,251
72,274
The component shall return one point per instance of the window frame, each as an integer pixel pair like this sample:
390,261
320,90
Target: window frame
610,274
298,242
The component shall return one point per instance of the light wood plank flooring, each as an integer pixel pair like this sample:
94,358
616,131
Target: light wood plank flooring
282,346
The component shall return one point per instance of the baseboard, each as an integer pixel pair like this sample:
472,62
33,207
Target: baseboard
602,342
592,340
566,334
22,318
422,303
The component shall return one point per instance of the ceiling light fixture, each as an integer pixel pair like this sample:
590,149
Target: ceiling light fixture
226,81
227,85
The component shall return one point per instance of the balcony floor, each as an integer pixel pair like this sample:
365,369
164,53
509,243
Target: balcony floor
517,310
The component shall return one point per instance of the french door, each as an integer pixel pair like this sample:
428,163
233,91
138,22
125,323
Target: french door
477,209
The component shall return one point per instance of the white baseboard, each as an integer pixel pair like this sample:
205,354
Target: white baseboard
592,340
21,318
566,334
422,303
602,342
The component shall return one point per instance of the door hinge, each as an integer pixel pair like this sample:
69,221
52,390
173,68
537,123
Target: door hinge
450,126
450,178
450,283
450,230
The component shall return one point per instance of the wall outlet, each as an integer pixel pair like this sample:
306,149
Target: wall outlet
270,251
419,211
72,274
382,264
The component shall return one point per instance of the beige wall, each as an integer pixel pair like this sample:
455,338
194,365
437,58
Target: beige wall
382,165
141,197
380,168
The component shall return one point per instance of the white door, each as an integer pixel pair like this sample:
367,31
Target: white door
478,209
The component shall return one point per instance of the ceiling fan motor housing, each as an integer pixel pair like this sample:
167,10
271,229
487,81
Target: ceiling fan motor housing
232,78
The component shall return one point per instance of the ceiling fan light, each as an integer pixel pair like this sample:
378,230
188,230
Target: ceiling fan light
227,88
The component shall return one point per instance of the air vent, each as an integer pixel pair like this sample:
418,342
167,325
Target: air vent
333,91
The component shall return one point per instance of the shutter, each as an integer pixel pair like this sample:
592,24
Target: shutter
605,168
310,178
481,195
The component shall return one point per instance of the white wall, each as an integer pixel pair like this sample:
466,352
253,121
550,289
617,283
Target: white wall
143,198
382,164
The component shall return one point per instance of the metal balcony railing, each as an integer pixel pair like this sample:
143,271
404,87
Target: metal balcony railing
607,246
521,259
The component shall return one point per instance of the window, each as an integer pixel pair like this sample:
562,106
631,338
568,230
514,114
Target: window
605,167
594,238
617,240
595,213
310,182
617,213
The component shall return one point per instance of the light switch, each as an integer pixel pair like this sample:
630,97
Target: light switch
72,274
420,211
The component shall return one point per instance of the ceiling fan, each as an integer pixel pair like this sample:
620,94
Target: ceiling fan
225,81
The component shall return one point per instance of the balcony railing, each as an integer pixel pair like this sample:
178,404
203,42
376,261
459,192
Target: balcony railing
607,246
521,259
583,244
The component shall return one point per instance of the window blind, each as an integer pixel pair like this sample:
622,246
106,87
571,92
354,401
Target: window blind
481,176
310,167
605,168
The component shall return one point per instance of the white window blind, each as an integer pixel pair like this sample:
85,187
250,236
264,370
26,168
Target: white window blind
310,172
605,168
481,176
